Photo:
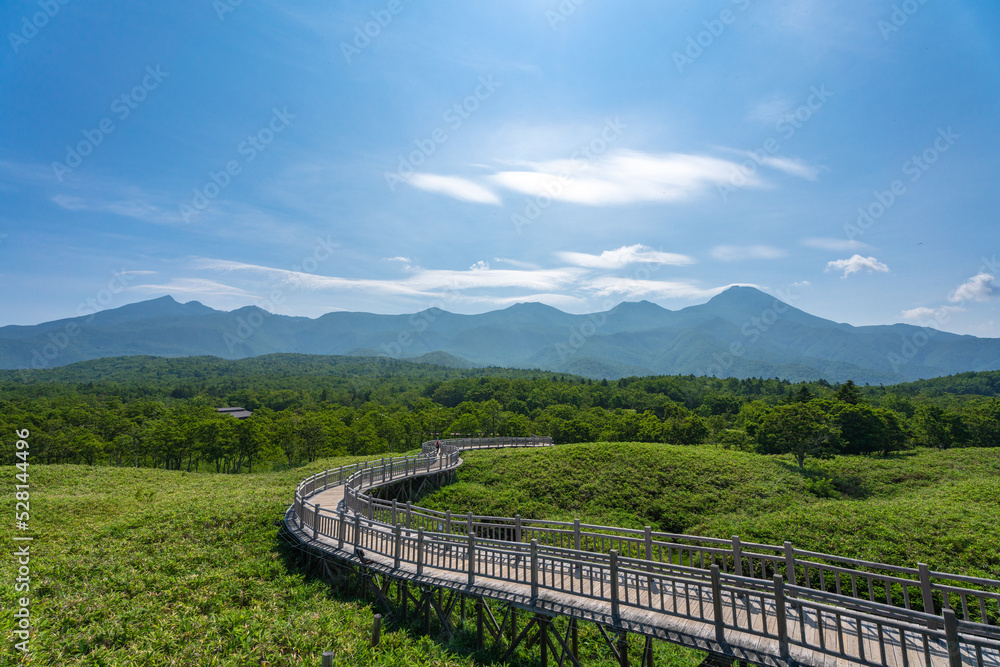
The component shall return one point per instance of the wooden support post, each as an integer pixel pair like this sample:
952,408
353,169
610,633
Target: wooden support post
578,569
395,511
409,511
780,615
402,586
534,571
615,616
647,652
327,659
479,624
574,635
420,551
623,649
315,525
517,527
951,636
789,563
543,637
447,522
737,556
341,529
470,530
357,530
513,625
376,629
340,475
398,546
720,628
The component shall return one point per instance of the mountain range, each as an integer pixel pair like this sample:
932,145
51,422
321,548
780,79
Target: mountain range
741,332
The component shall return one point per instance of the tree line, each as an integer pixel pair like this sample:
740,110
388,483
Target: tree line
163,414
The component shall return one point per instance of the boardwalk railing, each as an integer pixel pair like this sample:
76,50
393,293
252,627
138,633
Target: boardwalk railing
820,602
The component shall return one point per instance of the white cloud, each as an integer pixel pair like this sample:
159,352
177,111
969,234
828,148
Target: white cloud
515,262
856,263
793,167
612,286
622,177
453,186
403,260
616,259
481,265
980,287
197,286
733,253
822,243
423,282
925,314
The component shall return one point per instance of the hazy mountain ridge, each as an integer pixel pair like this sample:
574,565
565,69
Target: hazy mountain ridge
741,332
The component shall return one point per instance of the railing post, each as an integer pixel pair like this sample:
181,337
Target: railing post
951,636
326,475
737,556
395,511
420,551
340,478
472,558
720,624
534,570
790,563
925,587
615,614
316,521
470,530
341,529
779,609
517,527
409,511
447,522
398,548
578,570
357,529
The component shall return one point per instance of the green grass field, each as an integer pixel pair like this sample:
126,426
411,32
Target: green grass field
937,507
149,567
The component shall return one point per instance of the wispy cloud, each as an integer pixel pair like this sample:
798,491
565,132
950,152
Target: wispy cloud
455,187
618,177
620,257
733,253
980,287
925,314
856,263
824,243
611,286
196,286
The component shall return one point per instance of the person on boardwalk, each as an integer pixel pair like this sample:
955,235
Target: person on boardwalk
437,448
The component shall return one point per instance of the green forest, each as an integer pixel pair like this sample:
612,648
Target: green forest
161,413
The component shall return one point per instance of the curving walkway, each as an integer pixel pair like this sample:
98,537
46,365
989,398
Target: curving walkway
764,604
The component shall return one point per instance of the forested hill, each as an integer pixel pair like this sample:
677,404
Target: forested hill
741,332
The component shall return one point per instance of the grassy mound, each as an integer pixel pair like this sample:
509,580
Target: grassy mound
152,567
938,507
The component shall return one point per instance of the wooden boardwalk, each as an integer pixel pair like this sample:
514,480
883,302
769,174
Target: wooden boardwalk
649,586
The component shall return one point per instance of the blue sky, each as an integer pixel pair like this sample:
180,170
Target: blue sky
391,156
